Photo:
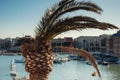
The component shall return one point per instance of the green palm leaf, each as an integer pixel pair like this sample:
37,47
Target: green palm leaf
57,11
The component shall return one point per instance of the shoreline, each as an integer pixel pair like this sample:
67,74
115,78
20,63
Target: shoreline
11,54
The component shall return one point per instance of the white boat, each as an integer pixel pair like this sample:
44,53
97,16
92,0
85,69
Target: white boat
12,68
12,65
12,61
13,73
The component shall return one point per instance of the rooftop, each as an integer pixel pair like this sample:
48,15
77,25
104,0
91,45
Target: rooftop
116,34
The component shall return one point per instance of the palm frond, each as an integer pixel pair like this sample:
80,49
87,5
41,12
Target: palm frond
76,23
63,7
83,53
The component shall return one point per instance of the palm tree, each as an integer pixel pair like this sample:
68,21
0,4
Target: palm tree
38,51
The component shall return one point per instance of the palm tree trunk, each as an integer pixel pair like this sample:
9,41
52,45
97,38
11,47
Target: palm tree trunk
38,76
38,62
39,66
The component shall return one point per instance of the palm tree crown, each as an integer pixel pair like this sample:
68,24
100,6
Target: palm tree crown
53,24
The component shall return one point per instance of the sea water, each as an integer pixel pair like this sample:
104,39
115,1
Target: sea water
72,70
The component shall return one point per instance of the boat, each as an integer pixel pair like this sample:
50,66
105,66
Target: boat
13,73
105,63
12,61
105,57
19,60
73,57
88,62
12,64
12,68
57,61
110,58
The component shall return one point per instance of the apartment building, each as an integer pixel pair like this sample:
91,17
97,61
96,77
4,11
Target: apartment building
67,41
92,43
113,44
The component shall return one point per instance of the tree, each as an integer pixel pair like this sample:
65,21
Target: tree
38,53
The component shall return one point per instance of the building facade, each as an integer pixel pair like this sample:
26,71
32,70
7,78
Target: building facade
92,43
113,44
5,44
67,41
89,43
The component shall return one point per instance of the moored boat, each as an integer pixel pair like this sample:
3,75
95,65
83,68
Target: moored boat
19,61
13,73
57,62
12,68
105,57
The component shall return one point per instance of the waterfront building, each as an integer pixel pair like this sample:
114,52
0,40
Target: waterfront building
89,43
5,44
13,47
67,41
113,44
92,43
57,42
103,40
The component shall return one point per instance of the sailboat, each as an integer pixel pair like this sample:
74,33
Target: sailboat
12,68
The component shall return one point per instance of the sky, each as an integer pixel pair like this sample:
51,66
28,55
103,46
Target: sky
20,17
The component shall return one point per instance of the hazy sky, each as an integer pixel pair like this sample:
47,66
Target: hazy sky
19,17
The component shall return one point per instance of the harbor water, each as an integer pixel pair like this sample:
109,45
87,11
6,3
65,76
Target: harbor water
71,70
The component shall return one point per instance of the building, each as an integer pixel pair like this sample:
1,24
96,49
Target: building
103,40
16,45
89,43
113,44
5,44
92,43
67,41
